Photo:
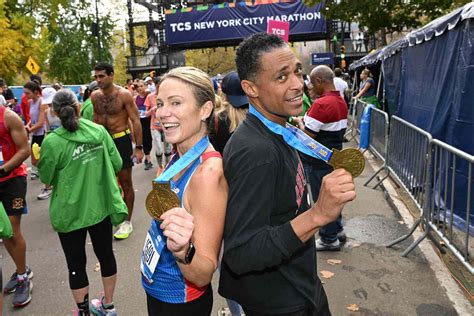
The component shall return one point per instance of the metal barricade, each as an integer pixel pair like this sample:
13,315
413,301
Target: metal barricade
359,109
350,119
378,133
407,160
451,171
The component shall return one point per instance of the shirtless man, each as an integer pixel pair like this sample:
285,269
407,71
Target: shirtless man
114,108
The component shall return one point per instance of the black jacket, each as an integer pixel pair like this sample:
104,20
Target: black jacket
266,268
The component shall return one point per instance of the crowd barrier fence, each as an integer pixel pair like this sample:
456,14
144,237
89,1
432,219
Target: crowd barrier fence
379,127
426,169
448,165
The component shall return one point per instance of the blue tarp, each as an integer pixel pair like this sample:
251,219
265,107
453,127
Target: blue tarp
429,78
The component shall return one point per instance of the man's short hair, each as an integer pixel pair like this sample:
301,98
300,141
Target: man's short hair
338,72
250,50
37,79
109,69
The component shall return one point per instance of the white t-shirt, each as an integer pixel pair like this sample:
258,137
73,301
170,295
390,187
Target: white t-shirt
2,100
341,86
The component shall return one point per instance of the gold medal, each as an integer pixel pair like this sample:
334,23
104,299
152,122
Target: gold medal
350,159
161,199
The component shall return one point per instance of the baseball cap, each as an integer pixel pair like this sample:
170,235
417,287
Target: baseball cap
48,94
233,90
93,85
148,79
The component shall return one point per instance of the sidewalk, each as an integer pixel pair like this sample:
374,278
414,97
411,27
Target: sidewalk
375,278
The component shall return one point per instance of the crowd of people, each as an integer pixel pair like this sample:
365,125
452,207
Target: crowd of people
250,201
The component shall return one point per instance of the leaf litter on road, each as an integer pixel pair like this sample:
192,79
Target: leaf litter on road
326,274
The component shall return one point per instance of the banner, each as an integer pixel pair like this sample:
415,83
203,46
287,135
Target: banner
280,28
231,21
322,59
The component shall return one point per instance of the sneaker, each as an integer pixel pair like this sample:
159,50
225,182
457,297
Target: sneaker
34,175
97,308
22,294
342,237
322,246
148,165
45,194
124,230
11,285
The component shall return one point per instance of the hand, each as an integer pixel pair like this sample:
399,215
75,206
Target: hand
3,171
297,120
138,155
178,226
337,189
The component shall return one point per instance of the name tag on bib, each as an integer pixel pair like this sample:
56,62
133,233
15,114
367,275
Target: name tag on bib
151,252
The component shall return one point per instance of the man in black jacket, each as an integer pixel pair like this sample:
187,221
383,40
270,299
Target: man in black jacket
269,262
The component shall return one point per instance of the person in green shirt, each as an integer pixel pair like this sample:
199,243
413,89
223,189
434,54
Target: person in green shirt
87,109
80,160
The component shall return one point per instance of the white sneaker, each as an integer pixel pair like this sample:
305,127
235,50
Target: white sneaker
45,194
124,230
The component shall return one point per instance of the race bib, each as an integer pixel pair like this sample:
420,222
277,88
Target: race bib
151,252
142,113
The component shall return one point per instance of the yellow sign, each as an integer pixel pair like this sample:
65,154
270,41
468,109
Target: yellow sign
32,66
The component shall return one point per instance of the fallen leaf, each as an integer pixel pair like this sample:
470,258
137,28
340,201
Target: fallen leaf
97,267
333,262
353,308
326,274
401,222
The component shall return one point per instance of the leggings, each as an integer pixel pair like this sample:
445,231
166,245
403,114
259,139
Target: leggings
146,134
202,306
73,244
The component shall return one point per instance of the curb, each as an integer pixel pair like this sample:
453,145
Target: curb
460,303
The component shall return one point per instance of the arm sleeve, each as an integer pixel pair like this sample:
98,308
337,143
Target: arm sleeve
48,161
250,242
113,152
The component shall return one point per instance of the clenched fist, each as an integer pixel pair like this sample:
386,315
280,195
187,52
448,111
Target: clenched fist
337,189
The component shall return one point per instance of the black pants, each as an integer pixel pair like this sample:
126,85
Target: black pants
146,134
73,244
202,306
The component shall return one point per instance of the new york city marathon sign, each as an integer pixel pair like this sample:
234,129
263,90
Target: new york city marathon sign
239,20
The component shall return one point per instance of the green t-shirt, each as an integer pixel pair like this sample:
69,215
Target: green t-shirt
87,110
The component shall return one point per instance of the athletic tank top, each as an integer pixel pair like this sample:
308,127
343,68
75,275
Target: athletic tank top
169,284
141,106
34,116
53,120
9,149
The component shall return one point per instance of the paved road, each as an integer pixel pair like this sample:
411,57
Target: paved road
51,294
377,279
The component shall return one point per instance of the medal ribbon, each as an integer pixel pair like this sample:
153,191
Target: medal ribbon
184,161
295,137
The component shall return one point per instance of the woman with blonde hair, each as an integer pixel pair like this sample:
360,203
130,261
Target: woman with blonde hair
186,239
232,112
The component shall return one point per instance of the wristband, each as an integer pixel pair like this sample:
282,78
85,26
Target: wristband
140,147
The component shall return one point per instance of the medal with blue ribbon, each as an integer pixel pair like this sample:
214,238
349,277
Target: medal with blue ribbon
350,159
162,198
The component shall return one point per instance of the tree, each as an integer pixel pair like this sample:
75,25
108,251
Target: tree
212,60
387,16
20,39
75,50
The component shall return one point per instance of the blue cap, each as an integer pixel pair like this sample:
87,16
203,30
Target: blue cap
233,90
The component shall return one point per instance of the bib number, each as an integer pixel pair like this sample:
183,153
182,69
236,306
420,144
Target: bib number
152,248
